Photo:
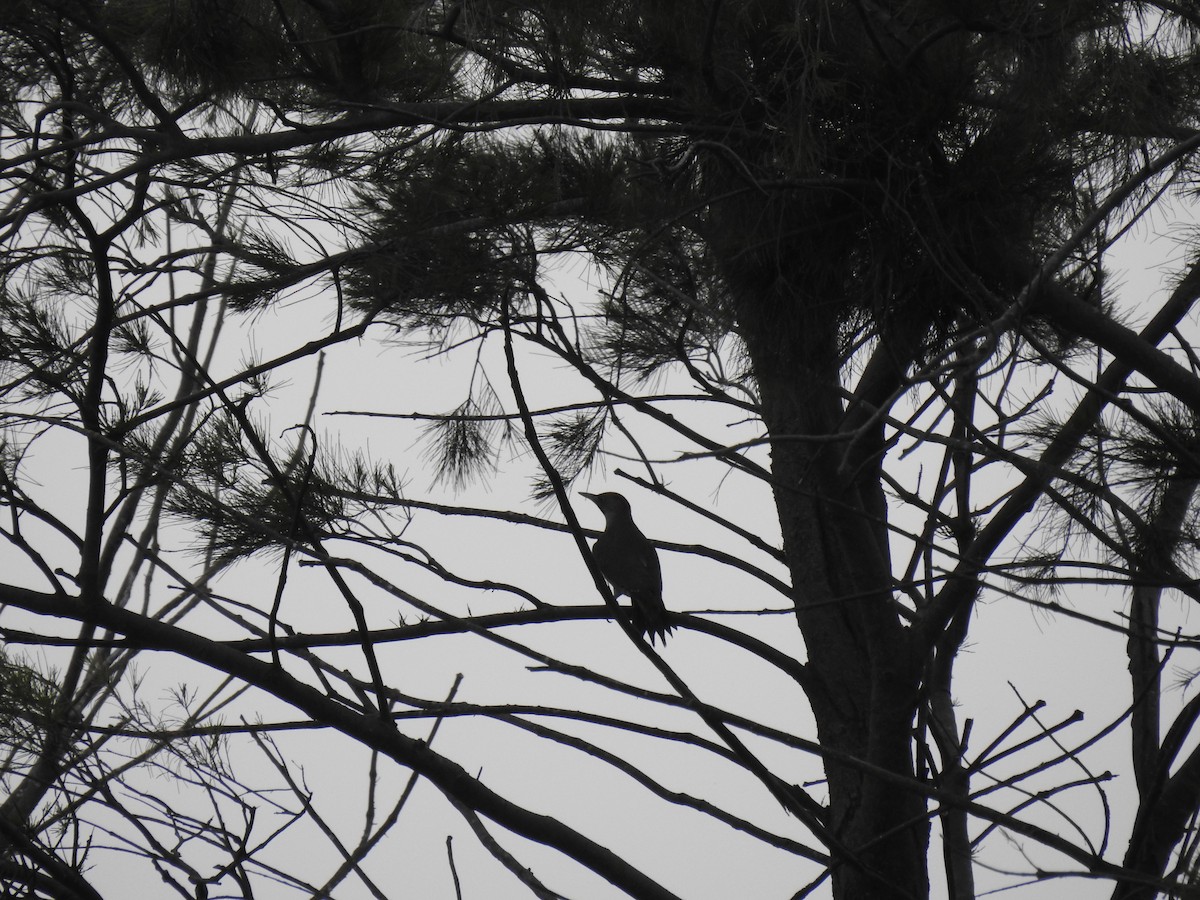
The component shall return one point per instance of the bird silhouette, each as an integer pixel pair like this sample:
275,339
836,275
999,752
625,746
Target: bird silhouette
629,563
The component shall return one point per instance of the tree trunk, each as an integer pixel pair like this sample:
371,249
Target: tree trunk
832,511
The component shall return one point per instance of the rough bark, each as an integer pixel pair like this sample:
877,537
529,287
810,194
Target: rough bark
864,681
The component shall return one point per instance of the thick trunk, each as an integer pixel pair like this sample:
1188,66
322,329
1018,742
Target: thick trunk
831,509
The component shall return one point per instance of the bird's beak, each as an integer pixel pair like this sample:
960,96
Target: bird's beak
591,497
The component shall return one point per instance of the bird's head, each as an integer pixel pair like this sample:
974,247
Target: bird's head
614,506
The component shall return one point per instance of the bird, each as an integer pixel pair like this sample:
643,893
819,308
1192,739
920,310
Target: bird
629,563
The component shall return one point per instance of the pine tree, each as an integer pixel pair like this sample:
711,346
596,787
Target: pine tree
863,226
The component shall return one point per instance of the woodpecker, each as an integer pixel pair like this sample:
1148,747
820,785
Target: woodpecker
629,562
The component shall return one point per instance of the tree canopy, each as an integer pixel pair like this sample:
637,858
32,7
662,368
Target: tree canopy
317,315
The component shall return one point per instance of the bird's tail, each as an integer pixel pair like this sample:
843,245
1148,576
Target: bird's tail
651,618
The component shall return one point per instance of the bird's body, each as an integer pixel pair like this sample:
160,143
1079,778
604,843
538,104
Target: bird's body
629,563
